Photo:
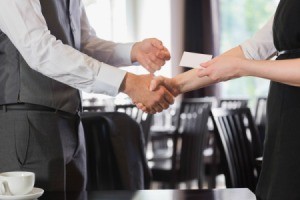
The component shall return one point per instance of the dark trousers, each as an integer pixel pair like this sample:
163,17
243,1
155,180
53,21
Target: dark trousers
49,144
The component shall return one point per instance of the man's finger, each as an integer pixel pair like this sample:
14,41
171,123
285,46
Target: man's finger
149,65
167,54
144,63
157,43
159,107
165,99
157,60
169,98
163,54
164,105
153,67
139,105
142,107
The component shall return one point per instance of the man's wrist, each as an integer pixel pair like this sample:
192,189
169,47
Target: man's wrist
126,83
134,52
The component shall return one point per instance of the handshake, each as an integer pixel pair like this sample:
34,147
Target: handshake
146,91
154,94
149,93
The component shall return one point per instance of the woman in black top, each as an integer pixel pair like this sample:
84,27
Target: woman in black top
280,175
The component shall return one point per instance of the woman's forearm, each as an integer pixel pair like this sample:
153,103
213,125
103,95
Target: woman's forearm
236,52
189,80
284,71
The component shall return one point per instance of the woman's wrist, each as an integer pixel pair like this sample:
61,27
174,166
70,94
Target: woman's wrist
244,67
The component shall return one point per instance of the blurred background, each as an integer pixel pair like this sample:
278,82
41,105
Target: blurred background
205,26
200,26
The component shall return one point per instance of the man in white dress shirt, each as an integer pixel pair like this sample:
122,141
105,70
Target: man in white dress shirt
48,52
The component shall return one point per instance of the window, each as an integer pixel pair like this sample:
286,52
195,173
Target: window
240,19
108,18
127,21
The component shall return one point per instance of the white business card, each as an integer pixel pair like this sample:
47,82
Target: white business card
193,60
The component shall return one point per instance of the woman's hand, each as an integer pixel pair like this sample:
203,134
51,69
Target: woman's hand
222,68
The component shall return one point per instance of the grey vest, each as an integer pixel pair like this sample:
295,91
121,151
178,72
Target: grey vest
19,83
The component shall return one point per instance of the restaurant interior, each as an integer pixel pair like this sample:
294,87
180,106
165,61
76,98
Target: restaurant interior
209,139
209,143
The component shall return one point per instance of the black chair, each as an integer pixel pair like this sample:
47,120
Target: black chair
142,118
185,163
115,153
233,103
214,167
260,116
93,109
239,145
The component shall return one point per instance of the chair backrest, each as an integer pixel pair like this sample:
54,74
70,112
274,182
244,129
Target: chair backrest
260,116
189,138
144,119
115,153
260,110
239,145
131,110
102,170
93,108
214,104
233,103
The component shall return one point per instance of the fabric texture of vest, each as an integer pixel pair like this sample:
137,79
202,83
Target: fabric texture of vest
20,83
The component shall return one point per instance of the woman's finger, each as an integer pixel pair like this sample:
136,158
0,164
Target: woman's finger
156,81
202,73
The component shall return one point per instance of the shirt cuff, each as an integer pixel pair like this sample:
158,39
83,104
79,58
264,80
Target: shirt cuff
109,80
123,53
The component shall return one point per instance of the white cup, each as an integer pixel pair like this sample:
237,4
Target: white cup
16,183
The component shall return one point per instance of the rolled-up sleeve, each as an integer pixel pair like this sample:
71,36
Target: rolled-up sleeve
116,54
261,45
24,24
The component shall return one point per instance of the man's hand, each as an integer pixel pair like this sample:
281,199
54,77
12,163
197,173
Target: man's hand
137,88
150,53
158,82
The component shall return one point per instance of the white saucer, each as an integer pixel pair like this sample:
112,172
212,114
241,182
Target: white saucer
34,194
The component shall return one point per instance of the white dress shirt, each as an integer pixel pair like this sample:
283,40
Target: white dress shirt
261,45
23,22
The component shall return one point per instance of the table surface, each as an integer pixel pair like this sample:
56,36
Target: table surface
221,194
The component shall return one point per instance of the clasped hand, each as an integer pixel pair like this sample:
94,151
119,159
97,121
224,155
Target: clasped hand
154,94
221,68
163,90
152,55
